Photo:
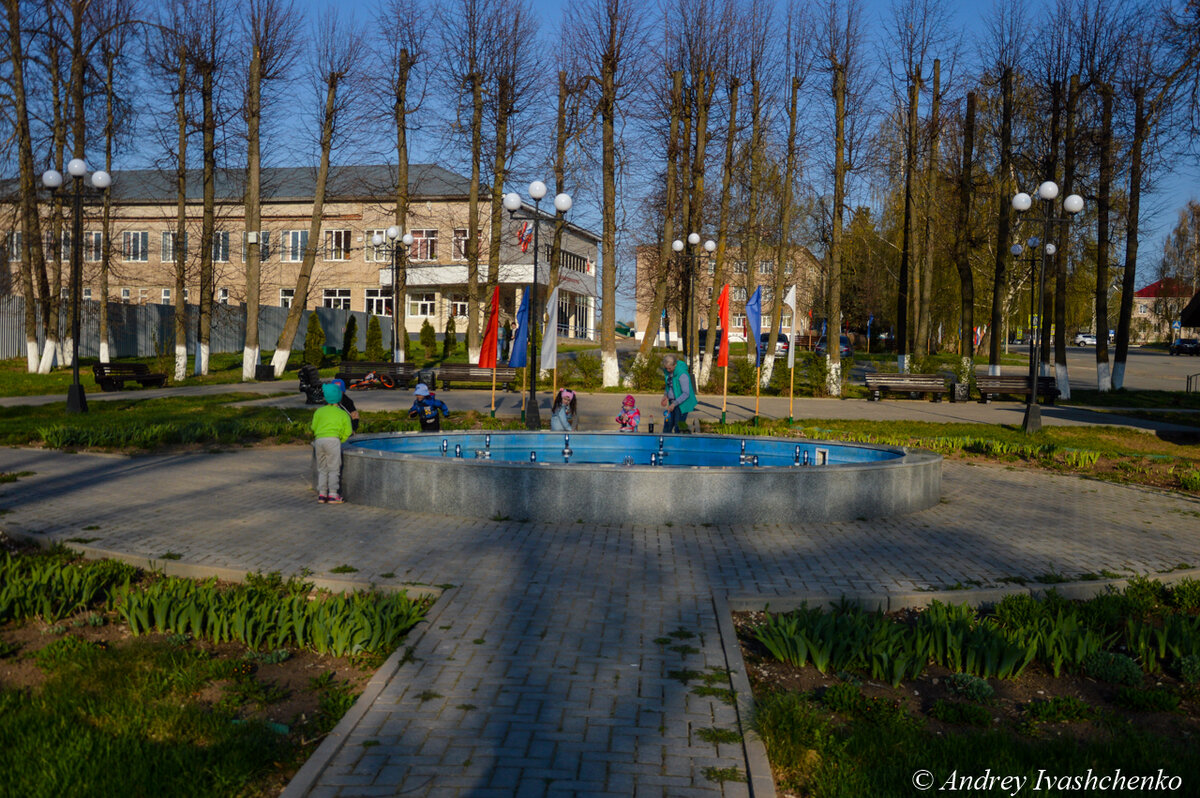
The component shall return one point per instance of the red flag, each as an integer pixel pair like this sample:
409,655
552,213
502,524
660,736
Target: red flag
723,320
491,340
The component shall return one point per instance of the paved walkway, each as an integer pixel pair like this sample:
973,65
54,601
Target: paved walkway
541,672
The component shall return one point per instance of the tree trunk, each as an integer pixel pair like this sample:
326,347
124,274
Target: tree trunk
785,239
608,291
904,300
751,232
106,217
283,349
181,218
1124,322
473,340
560,177
1062,376
718,279
499,172
966,191
51,285
659,299
208,218
1050,169
1103,245
250,353
399,289
32,250
1003,222
926,281
834,298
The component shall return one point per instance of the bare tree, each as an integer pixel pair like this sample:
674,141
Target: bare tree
270,35
332,73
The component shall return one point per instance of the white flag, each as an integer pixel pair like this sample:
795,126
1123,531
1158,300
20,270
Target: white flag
550,339
790,301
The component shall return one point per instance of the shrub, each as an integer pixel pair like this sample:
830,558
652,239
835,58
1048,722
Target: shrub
450,339
645,374
1112,668
1185,594
816,374
586,371
842,698
1151,699
314,339
350,339
428,339
1058,710
1145,595
375,350
1190,480
1189,668
1018,611
970,687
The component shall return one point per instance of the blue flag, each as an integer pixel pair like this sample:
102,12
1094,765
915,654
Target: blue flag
754,319
518,355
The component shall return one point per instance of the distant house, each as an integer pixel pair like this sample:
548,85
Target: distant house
1157,307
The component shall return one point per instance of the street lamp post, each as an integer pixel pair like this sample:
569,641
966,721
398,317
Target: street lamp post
396,248
690,323
53,180
1047,192
512,203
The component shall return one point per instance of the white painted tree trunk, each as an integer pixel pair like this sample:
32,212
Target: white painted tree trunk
965,368
49,356
1118,375
203,367
994,370
31,355
612,370
705,372
180,362
68,351
1103,377
105,354
834,382
767,369
249,362
902,363
1062,381
472,353
279,361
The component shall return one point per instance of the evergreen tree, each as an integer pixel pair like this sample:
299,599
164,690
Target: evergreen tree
450,340
375,352
350,339
314,340
428,340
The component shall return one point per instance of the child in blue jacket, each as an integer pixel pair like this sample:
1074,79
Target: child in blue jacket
426,408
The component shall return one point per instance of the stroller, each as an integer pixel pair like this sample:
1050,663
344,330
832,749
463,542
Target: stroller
310,385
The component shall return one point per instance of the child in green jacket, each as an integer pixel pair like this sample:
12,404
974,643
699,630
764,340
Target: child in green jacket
331,428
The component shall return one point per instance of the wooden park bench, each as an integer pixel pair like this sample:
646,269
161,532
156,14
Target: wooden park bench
465,372
113,376
351,371
932,384
1015,385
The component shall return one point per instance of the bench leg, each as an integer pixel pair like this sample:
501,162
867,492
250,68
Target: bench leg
935,396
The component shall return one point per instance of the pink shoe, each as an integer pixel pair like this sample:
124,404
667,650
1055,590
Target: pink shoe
335,499
323,499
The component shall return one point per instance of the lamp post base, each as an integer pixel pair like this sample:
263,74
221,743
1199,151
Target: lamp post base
76,400
533,419
1033,418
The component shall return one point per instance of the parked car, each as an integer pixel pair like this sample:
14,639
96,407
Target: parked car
1185,346
781,345
844,347
703,341
1085,339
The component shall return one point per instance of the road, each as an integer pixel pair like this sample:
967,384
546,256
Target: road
1145,369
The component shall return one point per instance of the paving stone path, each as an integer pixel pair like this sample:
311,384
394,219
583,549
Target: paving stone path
547,667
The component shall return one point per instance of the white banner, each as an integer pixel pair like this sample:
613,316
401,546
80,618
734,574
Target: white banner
550,340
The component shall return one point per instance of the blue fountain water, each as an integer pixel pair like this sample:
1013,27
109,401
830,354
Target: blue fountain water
611,448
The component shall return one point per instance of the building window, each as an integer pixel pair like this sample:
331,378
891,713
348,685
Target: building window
223,296
739,267
143,295
421,304
737,294
125,294
768,293
60,249
169,249
576,263
458,305
712,267
786,320
737,322
379,301
294,243
372,253
460,243
93,246
187,294
789,268
13,243
424,245
87,293
337,298
710,292
220,246
135,245
285,297
264,245
337,244
766,267
166,296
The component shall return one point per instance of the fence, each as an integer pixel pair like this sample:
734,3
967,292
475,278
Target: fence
147,330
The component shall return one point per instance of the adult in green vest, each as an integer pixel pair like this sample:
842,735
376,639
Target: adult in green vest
679,395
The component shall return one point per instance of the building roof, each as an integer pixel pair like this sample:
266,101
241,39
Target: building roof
296,183
1168,286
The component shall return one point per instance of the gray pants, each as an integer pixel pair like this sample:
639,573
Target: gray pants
329,465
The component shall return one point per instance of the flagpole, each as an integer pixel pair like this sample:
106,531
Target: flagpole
524,372
725,394
493,391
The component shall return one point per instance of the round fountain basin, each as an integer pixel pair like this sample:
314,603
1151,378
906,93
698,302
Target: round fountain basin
615,478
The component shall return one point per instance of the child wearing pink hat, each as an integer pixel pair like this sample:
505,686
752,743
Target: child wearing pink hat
630,416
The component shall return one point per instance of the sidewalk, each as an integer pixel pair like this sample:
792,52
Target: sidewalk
543,670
